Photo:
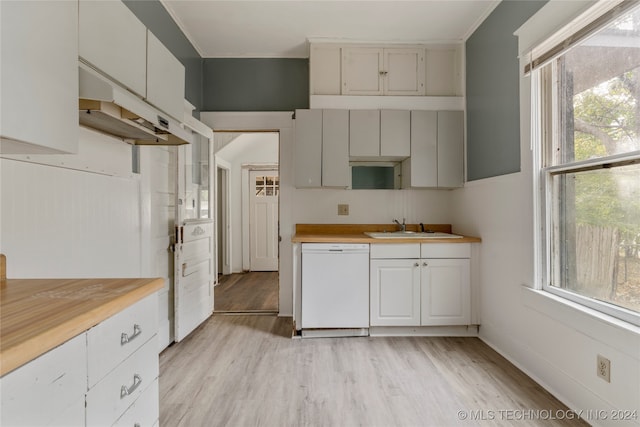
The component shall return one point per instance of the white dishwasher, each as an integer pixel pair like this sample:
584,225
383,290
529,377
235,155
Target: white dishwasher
335,289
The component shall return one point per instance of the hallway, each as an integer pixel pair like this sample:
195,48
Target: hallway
253,292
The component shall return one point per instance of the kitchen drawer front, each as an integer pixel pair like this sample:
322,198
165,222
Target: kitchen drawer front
145,411
394,250
111,397
54,382
446,250
115,339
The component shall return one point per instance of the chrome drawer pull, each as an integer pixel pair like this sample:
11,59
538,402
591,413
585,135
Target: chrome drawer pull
124,391
125,338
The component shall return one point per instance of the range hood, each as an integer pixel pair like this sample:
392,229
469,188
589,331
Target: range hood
106,107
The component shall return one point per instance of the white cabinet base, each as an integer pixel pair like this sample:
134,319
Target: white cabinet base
424,331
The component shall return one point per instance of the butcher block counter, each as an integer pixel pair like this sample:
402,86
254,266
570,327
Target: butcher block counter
354,233
37,315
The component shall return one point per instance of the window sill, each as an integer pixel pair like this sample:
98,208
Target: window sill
599,326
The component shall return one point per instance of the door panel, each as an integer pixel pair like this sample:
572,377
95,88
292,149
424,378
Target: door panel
263,221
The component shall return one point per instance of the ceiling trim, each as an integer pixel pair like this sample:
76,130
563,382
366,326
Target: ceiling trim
480,20
182,27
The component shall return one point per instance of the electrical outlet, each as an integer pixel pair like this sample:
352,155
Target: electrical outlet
343,209
604,368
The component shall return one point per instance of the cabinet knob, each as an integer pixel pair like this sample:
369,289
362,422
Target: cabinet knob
416,265
425,264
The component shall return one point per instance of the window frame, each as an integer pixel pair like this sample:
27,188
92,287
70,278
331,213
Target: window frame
544,128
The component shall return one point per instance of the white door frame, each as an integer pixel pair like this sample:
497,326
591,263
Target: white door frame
281,122
246,216
225,223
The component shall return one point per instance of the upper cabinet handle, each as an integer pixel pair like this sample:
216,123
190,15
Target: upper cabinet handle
125,338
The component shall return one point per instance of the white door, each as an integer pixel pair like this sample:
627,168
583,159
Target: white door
445,292
264,190
194,259
395,292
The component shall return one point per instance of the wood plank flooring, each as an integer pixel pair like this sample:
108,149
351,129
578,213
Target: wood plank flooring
247,371
247,292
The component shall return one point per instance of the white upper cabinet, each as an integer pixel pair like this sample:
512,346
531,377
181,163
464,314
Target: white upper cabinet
443,71
165,79
362,71
39,77
421,169
335,148
450,149
437,150
114,41
325,69
395,133
308,148
378,71
364,133
403,71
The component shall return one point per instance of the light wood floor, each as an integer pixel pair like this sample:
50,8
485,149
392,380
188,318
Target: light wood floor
247,292
247,371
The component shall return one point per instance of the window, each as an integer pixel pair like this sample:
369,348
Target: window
267,186
590,169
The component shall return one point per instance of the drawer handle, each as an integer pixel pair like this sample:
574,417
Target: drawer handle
125,338
124,391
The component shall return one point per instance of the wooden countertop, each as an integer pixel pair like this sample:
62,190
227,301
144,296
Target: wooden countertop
37,315
354,233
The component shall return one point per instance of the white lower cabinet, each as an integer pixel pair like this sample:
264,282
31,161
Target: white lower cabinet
395,292
106,375
420,285
54,383
445,292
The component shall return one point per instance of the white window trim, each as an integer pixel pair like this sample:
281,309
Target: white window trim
539,132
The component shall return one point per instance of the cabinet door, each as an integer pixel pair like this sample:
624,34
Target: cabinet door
403,71
308,148
450,149
54,383
335,148
165,79
395,292
395,133
362,71
445,292
443,71
39,77
325,69
364,133
423,164
114,41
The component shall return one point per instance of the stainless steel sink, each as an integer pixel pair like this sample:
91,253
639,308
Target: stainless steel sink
410,235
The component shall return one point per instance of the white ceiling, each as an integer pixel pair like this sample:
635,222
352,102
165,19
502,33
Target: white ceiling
280,29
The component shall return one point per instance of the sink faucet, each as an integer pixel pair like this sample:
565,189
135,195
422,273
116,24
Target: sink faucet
403,226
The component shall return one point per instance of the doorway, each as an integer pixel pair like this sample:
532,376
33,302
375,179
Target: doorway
247,211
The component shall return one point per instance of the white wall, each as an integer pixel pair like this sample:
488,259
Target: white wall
249,148
59,222
554,342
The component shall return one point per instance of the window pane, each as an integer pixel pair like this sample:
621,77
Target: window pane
598,93
596,234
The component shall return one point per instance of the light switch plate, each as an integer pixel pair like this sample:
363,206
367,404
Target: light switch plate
343,209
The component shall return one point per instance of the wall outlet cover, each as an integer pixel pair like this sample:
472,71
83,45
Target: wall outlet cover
604,368
343,209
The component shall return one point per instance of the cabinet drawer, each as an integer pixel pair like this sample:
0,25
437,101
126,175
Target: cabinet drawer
113,340
446,250
54,382
145,411
111,397
395,250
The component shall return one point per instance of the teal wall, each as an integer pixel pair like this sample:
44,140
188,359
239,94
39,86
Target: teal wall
255,84
492,88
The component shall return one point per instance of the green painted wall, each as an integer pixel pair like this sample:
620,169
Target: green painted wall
492,87
255,84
